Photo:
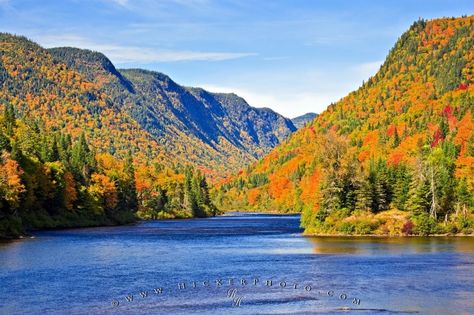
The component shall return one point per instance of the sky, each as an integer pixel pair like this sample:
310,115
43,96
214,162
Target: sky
292,56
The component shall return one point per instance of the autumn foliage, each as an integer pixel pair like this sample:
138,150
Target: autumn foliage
394,156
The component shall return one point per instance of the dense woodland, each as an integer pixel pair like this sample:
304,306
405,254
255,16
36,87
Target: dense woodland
48,179
71,157
82,143
394,157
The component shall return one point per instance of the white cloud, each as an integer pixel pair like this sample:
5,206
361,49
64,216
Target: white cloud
286,103
315,90
367,69
122,3
128,54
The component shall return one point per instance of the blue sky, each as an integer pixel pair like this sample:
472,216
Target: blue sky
292,56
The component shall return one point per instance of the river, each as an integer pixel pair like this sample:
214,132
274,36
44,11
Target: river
233,264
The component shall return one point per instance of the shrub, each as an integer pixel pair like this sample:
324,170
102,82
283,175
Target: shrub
407,228
364,227
424,224
346,227
465,224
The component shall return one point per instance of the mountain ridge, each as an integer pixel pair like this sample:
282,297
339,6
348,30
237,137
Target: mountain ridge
85,144
176,114
302,120
367,163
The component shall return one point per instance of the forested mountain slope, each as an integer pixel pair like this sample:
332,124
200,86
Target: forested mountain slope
80,144
395,156
215,131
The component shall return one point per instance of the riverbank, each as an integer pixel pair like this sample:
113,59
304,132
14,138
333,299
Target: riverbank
385,235
15,228
265,213
386,223
20,227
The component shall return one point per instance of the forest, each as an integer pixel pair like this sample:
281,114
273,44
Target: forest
395,157
50,180
81,144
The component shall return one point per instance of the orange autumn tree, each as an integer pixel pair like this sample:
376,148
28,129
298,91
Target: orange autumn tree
406,145
11,186
104,192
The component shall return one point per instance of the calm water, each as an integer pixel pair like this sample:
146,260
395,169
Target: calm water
92,271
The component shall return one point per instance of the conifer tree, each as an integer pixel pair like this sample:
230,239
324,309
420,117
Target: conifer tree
4,142
128,187
9,119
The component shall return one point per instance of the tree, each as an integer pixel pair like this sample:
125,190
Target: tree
11,186
190,203
336,178
9,119
401,186
81,157
104,192
4,142
396,139
128,191
419,194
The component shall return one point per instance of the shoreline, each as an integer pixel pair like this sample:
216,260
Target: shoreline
254,213
384,235
28,233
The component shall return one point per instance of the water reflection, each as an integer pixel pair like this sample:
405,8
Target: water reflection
390,245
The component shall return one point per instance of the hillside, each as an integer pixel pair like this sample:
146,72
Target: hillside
302,120
82,143
71,156
220,133
395,156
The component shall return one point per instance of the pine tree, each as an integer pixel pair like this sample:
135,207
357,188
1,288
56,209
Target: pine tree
54,152
4,143
396,139
9,119
190,203
444,127
129,192
419,194
464,199
82,159
363,195
382,187
401,187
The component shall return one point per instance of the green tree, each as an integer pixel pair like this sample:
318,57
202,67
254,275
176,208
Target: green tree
9,119
127,188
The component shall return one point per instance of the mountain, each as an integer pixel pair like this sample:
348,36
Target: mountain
82,143
218,132
300,121
396,156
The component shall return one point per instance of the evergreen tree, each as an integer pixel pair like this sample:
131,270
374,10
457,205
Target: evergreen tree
401,187
419,194
444,127
128,187
190,203
364,195
464,199
9,119
396,139
54,152
80,156
4,143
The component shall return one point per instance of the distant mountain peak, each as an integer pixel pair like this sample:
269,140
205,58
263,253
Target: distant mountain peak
302,120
